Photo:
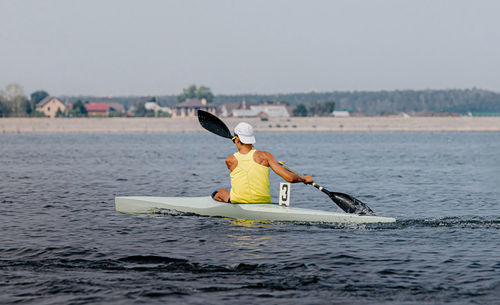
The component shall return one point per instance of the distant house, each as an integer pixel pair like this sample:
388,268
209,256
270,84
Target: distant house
245,113
272,110
157,108
291,109
50,105
227,109
341,114
113,106
190,107
152,106
97,109
263,110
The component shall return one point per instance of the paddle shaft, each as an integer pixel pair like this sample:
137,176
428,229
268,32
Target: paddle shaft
319,187
346,202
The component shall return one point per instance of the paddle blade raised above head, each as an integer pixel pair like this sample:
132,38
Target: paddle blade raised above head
213,124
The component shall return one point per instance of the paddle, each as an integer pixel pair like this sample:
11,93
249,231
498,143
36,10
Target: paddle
213,124
346,202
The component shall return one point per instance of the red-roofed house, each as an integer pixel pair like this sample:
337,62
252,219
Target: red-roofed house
97,109
113,106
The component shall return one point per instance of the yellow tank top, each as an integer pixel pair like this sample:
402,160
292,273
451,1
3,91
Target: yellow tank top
249,180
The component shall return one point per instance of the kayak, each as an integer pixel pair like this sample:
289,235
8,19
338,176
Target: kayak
207,206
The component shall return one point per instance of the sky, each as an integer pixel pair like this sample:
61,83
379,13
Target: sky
124,47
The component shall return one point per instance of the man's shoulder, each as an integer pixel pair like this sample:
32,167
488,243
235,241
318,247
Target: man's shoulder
261,155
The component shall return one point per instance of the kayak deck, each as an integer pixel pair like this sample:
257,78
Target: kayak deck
206,206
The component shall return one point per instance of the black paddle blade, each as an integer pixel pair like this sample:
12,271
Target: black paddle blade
213,124
350,204
346,202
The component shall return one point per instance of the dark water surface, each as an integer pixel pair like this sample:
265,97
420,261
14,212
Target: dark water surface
61,241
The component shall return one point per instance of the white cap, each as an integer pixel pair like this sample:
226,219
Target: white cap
244,131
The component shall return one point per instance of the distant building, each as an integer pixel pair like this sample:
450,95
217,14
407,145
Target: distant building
291,109
113,106
157,108
272,110
152,106
341,114
227,109
263,110
50,105
245,113
190,107
97,109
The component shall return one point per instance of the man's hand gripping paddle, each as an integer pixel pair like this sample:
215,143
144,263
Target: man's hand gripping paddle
346,202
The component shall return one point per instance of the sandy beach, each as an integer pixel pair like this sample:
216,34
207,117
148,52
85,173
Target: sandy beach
295,124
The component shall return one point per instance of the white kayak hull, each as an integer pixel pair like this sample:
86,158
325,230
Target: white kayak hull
206,206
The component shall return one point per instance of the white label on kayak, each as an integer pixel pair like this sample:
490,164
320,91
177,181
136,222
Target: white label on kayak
284,194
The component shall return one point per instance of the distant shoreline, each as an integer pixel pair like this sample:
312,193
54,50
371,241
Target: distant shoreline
294,124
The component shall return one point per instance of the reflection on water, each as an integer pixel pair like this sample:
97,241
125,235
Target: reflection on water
250,223
250,244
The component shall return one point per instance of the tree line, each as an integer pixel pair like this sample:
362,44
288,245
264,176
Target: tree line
192,91
386,102
13,101
315,109
367,102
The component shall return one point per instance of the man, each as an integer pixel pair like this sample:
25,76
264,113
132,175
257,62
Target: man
249,171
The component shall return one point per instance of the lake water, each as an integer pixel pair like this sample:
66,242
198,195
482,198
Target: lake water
62,241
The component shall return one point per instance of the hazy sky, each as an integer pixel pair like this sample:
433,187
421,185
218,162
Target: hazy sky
119,47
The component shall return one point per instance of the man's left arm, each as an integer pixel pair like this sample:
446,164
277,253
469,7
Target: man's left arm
284,173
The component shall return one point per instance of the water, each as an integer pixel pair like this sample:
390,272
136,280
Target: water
62,241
